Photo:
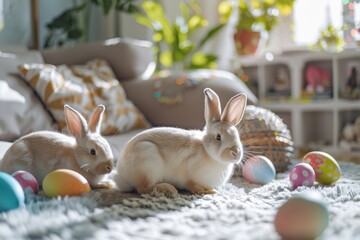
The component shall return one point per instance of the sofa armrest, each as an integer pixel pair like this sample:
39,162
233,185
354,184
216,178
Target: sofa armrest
189,113
129,58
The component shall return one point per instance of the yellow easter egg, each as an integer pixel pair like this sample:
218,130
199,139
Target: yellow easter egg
65,182
327,170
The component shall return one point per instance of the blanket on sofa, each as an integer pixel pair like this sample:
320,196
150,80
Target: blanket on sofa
240,211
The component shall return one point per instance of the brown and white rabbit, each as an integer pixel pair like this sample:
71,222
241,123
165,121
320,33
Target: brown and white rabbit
165,159
87,152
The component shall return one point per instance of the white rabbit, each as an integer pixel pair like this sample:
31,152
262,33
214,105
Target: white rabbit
87,152
165,159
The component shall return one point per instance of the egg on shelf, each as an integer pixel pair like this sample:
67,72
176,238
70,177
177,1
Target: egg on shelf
11,192
65,182
303,216
327,170
27,181
302,174
258,169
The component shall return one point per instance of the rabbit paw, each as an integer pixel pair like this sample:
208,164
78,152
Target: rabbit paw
200,190
104,185
166,188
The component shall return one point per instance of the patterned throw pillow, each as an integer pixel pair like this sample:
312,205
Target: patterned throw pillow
83,87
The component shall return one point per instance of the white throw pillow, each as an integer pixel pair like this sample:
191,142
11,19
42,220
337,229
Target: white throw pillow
21,111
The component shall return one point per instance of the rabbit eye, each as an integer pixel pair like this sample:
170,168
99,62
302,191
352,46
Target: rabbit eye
93,152
218,137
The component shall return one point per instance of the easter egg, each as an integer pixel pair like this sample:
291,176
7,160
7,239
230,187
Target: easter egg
303,216
65,182
12,195
302,174
27,181
258,169
327,170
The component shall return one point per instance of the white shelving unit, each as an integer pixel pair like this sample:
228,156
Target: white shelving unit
314,123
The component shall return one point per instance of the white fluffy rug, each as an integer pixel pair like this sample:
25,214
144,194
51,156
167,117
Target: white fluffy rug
239,211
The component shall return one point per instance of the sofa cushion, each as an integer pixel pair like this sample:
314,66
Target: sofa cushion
84,87
129,58
21,110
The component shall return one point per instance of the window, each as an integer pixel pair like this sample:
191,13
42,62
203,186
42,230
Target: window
310,17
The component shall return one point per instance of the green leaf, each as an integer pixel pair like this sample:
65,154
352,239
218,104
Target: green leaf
126,6
66,19
202,60
75,34
143,20
61,21
185,10
106,6
181,30
155,13
210,34
186,46
157,37
225,10
96,2
49,39
166,58
195,22
199,59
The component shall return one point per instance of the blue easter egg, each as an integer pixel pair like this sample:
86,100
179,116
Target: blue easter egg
259,169
11,192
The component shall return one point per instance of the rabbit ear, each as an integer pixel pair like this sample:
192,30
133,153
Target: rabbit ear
212,106
96,119
234,109
76,123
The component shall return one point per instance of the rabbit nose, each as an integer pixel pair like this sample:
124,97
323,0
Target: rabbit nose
104,167
109,166
235,152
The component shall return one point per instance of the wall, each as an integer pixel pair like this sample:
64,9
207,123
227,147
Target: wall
17,24
17,29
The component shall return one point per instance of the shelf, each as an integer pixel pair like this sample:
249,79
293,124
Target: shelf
316,128
315,122
343,104
283,105
278,80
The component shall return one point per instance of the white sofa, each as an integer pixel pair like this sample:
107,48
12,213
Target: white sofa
22,112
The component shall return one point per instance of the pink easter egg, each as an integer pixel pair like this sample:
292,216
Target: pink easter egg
315,159
302,175
27,181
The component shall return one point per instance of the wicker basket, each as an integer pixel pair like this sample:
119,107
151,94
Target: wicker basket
262,132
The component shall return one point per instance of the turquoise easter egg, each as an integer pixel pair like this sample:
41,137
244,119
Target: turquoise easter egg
11,192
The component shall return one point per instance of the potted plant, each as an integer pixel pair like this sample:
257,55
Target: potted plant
72,25
174,46
256,17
